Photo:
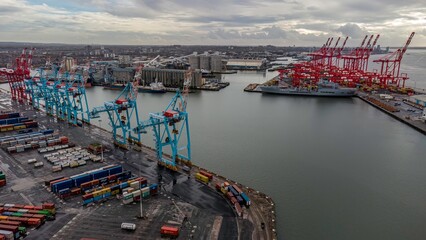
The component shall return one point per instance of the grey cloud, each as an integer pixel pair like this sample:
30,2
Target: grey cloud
236,19
352,30
7,9
273,32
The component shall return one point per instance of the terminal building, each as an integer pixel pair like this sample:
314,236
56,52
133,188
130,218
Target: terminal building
246,64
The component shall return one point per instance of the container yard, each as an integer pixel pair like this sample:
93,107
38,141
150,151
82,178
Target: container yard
86,177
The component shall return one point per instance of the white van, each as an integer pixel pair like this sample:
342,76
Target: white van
128,226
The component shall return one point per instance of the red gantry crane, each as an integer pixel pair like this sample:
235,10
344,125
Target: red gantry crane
391,64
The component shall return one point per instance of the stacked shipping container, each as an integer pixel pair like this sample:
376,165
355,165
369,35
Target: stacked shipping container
2,179
14,218
235,195
13,121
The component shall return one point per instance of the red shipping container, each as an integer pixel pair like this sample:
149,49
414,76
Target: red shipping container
229,195
29,207
237,189
75,191
209,175
170,113
38,216
112,177
13,229
2,237
1,209
2,182
32,211
19,206
27,215
48,206
87,196
38,208
86,185
153,192
169,231
120,101
17,219
11,223
34,222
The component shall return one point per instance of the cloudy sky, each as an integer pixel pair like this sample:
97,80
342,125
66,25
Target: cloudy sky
221,22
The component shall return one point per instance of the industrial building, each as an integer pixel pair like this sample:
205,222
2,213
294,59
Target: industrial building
123,75
245,64
69,63
207,62
170,77
124,60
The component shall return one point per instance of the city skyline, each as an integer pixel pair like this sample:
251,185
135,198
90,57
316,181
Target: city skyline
200,22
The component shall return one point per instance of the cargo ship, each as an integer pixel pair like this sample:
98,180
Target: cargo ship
115,86
324,88
154,87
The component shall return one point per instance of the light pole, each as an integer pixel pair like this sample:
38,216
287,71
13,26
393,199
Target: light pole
102,147
140,189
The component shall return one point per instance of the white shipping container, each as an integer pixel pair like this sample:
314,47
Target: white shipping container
33,160
7,234
38,164
81,162
56,168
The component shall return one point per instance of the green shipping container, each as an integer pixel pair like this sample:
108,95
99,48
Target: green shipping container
128,196
17,214
22,230
44,212
145,194
2,176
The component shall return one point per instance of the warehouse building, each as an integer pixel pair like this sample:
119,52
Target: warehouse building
418,99
245,64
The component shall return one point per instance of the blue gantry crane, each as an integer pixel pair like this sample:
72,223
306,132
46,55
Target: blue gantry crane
33,90
171,129
77,107
122,111
63,96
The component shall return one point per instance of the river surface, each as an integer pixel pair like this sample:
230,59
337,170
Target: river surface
336,168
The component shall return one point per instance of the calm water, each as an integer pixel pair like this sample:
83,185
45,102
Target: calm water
336,168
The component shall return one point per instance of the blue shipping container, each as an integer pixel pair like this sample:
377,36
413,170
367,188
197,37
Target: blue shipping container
246,199
48,131
97,198
124,185
82,179
115,187
65,190
87,201
115,170
7,213
240,200
233,191
153,186
100,174
62,185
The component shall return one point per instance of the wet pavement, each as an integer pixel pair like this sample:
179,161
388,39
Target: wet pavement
202,205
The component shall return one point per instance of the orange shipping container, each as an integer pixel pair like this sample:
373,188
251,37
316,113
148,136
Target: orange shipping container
209,175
